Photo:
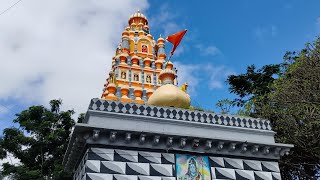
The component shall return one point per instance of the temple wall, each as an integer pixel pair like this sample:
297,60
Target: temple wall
119,164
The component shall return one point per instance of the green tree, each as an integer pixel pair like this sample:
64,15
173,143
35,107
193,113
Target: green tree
252,86
292,103
224,105
81,117
39,142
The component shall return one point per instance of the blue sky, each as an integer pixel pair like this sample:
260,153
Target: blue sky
242,33
223,38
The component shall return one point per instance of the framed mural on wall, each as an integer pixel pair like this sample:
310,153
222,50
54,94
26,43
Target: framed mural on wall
190,167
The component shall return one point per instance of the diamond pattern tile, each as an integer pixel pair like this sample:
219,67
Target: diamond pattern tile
103,163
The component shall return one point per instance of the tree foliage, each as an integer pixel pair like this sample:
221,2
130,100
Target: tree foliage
253,83
292,103
81,118
39,142
224,105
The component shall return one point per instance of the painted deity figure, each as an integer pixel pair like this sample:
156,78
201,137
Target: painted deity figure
193,172
119,49
136,77
144,48
123,75
112,78
148,79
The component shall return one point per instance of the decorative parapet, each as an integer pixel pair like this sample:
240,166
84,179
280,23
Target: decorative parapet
179,114
126,125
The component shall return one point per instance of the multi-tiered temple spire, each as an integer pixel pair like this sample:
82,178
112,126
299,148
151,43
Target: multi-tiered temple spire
137,64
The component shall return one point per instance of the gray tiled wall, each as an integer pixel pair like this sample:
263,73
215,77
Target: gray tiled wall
116,164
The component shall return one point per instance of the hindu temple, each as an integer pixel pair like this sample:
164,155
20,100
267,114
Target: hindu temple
142,126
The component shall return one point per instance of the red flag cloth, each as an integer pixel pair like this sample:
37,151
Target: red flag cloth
175,39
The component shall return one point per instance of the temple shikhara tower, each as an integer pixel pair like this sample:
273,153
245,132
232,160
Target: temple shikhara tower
142,126
137,64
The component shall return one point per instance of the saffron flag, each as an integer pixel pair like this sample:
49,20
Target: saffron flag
175,39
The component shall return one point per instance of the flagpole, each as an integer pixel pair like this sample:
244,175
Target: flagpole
169,57
170,53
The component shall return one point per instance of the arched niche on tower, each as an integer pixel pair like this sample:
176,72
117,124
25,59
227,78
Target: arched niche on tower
144,46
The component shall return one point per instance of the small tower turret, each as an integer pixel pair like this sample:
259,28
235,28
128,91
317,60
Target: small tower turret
125,44
161,52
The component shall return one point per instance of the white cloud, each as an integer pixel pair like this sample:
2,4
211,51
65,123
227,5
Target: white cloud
217,76
60,49
4,109
180,49
170,28
166,21
262,32
214,76
208,50
11,160
189,73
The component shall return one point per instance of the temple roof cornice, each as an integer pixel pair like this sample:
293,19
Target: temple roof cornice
114,123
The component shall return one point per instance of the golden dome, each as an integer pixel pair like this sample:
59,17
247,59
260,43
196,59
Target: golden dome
169,94
138,16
